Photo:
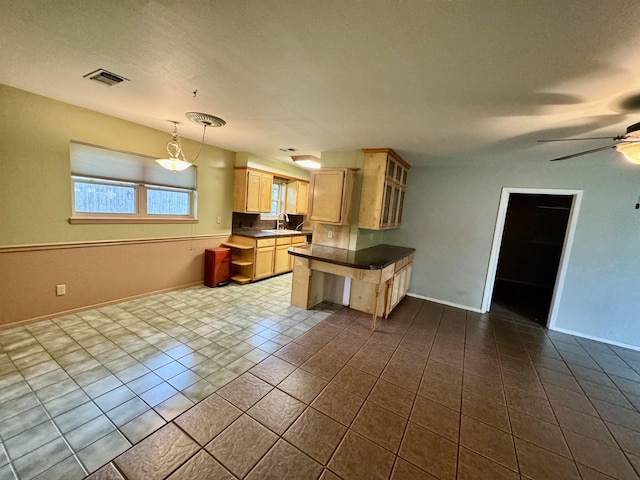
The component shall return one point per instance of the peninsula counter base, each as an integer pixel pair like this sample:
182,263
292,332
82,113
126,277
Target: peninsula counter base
375,291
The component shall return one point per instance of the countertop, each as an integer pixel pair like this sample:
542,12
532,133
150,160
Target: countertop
253,233
372,258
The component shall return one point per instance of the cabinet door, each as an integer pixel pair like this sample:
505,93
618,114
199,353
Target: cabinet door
302,200
264,262
385,219
391,168
254,184
400,207
281,263
327,196
266,184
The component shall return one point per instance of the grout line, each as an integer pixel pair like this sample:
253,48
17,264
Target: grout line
415,397
9,461
50,418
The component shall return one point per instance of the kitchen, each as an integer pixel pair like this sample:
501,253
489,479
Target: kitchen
326,269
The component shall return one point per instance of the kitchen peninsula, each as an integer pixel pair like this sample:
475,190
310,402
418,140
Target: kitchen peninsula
379,276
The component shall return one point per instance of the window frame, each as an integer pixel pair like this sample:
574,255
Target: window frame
282,194
140,215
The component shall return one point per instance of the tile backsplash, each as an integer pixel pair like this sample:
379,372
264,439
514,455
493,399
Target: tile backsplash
253,221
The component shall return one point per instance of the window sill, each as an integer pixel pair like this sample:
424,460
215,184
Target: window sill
115,220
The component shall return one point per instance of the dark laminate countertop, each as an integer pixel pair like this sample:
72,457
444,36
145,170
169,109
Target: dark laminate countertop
252,233
372,258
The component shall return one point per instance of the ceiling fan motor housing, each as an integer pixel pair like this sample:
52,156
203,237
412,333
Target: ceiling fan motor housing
633,128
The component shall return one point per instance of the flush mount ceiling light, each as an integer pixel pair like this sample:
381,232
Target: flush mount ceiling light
631,151
177,160
306,161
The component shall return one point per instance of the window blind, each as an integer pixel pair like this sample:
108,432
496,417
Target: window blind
100,162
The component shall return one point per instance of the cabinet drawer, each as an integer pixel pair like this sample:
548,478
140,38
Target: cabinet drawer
265,242
298,239
283,241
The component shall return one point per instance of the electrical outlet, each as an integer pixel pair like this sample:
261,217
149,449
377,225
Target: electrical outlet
330,234
61,289
218,219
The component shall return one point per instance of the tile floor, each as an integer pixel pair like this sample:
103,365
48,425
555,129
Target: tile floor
435,393
78,390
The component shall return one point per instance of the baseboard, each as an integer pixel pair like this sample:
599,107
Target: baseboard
444,302
597,339
94,306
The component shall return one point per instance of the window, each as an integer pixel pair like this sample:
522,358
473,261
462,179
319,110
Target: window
119,187
90,197
278,192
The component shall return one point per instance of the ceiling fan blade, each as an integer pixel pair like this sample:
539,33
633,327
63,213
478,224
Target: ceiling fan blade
593,150
572,139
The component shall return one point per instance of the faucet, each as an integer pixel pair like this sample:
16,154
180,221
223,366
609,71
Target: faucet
286,219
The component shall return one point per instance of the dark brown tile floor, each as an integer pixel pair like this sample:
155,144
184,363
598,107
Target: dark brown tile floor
435,393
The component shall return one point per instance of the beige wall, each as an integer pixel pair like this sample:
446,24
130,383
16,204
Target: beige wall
95,274
98,263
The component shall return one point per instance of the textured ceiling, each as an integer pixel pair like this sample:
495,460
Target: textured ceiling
442,82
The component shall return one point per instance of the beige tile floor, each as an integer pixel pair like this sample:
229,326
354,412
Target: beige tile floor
79,390
436,392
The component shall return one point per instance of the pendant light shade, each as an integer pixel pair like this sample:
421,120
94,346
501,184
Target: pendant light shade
176,161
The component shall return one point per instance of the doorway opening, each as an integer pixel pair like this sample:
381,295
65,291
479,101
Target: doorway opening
531,248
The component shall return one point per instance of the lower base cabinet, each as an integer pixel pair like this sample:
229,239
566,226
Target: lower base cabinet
258,258
363,294
281,261
264,258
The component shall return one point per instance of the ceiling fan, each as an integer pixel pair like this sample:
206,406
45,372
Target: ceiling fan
628,144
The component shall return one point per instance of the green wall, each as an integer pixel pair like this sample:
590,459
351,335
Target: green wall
450,218
35,187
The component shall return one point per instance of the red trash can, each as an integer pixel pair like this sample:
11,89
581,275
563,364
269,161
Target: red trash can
217,263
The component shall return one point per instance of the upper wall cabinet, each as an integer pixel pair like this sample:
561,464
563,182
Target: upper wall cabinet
383,189
331,195
252,191
297,197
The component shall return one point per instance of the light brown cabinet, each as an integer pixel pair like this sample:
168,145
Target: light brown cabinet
264,258
297,197
281,261
252,191
258,258
363,294
384,183
331,192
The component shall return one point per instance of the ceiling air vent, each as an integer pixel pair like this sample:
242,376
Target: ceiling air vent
106,78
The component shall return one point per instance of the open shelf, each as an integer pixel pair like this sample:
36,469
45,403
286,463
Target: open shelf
242,258
238,246
241,279
241,263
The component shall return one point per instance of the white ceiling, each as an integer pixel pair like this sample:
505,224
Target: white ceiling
473,81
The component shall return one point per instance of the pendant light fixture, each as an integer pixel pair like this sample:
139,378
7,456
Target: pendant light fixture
177,160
